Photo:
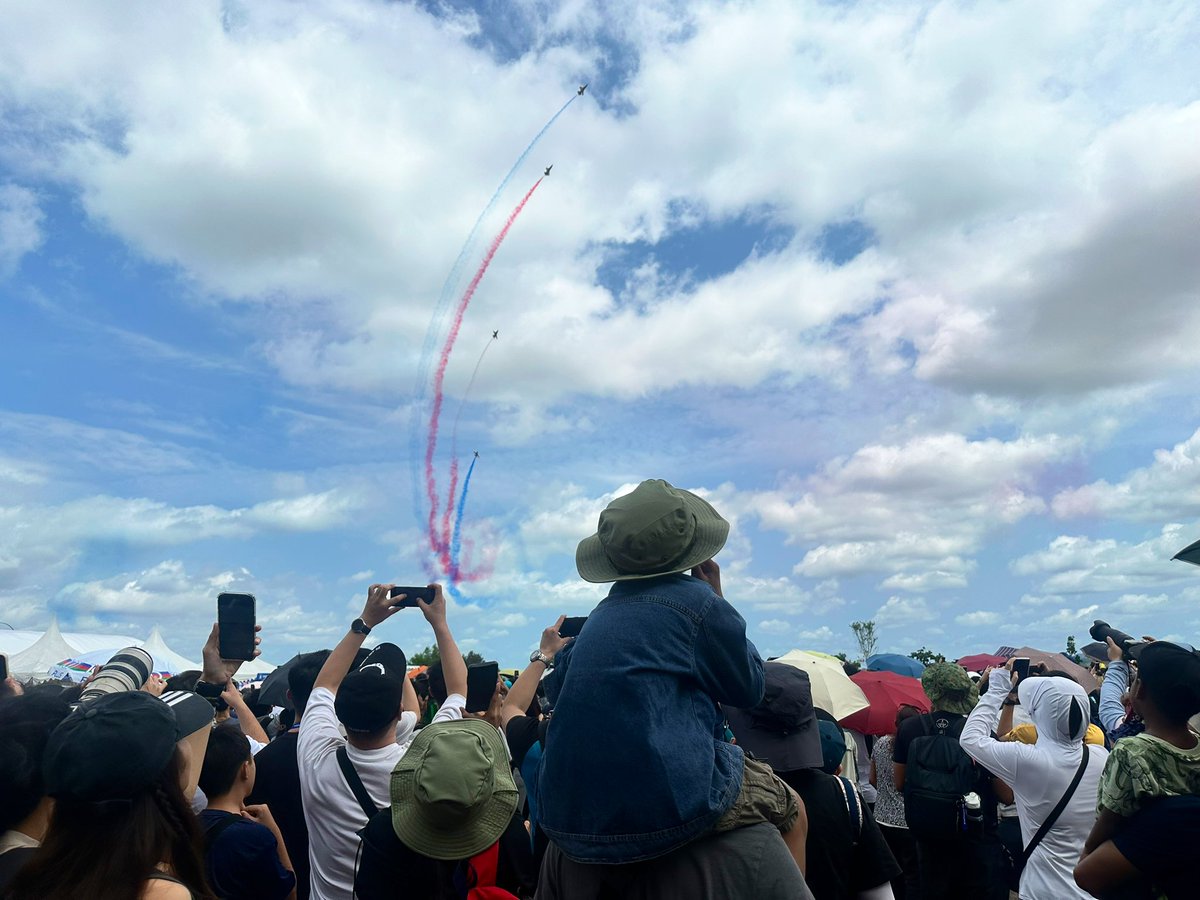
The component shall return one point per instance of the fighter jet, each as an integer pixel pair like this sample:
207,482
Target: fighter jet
477,454
582,88
548,168
495,335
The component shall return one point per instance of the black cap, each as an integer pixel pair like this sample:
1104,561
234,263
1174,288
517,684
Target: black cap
782,729
1171,674
370,698
110,748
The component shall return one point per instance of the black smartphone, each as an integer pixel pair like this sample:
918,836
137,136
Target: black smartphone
412,595
3,667
481,685
1021,667
572,626
235,616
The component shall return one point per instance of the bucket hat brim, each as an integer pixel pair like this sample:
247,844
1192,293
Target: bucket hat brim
711,533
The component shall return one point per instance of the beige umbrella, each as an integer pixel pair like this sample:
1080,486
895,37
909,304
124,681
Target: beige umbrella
832,689
1058,661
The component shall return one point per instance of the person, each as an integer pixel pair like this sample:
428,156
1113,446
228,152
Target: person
636,694
845,853
452,821
889,809
245,857
277,775
121,828
951,861
1164,760
25,726
1114,711
1041,775
1154,854
344,781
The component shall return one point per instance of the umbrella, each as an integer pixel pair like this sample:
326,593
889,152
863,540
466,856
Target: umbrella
894,662
981,661
886,692
832,689
1058,661
273,689
77,668
1189,554
1096,650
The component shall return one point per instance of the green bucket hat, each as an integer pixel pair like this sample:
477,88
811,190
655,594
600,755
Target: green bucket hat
656,529
453,792
949,688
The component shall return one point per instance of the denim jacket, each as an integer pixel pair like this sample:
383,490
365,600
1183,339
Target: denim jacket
635,762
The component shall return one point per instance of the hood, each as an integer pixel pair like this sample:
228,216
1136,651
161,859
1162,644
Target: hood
1049,702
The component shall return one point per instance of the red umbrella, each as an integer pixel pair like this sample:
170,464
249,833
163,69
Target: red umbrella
981,661
886,692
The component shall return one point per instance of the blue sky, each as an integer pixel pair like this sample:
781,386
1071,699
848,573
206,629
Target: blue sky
909,291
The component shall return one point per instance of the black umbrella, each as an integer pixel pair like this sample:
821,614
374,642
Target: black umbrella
274,688
1189,554
1095,650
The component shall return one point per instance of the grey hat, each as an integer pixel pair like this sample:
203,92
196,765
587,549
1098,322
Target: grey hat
782,729
656,529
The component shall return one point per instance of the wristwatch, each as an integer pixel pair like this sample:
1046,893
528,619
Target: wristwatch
539,656
358,626
210,692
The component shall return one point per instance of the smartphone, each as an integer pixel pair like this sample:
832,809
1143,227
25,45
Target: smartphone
235,616
572,626
3,666
413,594
1021,667
481,685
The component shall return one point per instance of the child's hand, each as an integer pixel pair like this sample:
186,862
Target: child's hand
709,572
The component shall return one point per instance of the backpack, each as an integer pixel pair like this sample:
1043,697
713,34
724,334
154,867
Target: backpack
936,777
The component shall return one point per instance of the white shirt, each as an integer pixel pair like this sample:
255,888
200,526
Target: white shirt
1039,775
332,814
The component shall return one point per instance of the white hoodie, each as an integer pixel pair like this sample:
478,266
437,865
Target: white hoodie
1039,775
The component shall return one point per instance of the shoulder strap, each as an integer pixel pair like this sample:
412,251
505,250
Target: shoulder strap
356,786
213,831
1049,821
853,805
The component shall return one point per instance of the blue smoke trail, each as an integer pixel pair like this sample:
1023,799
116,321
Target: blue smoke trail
437,324
456,542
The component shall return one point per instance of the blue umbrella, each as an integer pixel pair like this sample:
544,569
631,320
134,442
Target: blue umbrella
894,662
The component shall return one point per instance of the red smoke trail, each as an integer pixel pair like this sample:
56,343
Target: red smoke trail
438,544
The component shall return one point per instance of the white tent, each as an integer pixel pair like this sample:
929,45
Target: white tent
39,657
13,642
253,668
166,659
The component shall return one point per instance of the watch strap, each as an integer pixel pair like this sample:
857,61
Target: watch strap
358,626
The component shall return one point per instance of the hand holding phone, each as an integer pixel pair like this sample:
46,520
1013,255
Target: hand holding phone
235,620
1020,669
571,626
482,679
411,596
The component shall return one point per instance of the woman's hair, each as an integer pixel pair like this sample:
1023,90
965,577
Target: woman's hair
903,712
25,726
107,850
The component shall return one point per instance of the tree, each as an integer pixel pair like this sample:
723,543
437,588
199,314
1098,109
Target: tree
471,658
864,633
927,656
1071,652
426,657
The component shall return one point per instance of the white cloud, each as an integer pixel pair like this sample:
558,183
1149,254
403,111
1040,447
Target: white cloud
1076,564
1167,489
900,611
979,617
775,626
20,226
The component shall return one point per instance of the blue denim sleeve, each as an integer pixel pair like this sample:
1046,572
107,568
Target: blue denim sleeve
554,681
1116,680
727,663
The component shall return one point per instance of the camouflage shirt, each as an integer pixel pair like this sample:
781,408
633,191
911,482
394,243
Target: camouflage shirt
1142,767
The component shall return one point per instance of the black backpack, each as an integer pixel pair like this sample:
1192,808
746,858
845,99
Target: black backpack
936,777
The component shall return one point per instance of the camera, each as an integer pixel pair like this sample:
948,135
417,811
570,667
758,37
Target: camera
128,670
1101,630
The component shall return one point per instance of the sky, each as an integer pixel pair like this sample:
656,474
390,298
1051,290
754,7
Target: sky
910,291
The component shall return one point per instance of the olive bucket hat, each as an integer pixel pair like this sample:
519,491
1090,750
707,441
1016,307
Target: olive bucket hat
656,529
453,793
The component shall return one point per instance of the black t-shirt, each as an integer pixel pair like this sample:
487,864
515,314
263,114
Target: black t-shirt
522,732
1160,841
389,870
242,861
919,726
750,863
841,863
277,784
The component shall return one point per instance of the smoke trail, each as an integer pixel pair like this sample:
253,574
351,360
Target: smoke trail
456,543
467,393
436,323
440,374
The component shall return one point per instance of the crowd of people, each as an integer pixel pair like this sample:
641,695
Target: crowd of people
653,755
